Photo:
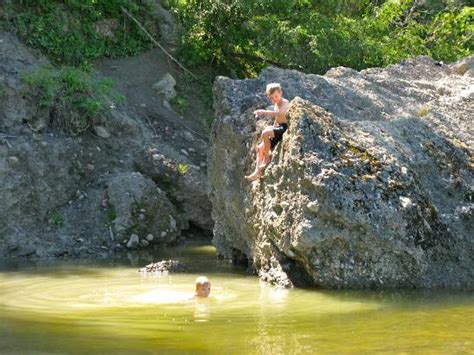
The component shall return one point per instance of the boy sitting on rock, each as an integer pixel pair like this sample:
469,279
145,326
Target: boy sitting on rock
271,135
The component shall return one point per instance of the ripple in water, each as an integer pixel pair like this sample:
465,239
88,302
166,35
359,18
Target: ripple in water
105,309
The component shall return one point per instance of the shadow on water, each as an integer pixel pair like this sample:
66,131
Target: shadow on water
195,257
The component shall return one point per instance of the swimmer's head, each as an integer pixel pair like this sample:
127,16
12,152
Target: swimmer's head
203,286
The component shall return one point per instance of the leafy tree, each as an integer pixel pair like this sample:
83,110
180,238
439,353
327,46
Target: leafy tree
243,36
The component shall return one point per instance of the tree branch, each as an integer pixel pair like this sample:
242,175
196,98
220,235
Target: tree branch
157,43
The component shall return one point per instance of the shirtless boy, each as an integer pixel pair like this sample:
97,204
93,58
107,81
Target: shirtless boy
271,135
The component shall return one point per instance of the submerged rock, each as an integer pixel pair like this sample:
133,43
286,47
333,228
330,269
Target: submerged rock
362,191
162,266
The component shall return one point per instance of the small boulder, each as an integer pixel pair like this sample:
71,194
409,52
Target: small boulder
313,206
166,86
101,132
172,223
133,242
12,161
106,27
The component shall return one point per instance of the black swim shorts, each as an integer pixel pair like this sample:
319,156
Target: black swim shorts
278,132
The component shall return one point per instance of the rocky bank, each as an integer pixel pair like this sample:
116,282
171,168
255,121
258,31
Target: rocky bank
372,185
117,186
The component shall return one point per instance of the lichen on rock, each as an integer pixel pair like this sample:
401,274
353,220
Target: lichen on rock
361,192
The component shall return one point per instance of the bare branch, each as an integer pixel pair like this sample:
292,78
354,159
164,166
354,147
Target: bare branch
157,43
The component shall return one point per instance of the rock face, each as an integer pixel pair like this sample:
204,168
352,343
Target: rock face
165,86
87,195
141,207
189,190
370,187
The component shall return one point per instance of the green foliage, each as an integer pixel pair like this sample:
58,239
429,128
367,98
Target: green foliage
451,34
120,99
111,214
75,98
423,111
57,218
75,32
183,168
243,36
180,103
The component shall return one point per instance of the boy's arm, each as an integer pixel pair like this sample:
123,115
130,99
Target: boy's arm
276,113
268,113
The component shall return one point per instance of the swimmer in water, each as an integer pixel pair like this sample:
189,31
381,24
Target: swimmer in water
203,287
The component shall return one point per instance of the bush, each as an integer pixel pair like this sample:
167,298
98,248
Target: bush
183,168
244,36
74,98
67,31
57,218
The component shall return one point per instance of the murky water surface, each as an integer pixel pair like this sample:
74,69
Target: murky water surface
107,307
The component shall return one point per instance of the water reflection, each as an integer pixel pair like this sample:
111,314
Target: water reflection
202,310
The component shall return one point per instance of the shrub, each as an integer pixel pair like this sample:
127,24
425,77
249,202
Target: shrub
423,111
243,36
74,98
183,168
66,31
57,219
180,103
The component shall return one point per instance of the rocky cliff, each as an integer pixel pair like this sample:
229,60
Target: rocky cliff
115,187
372,185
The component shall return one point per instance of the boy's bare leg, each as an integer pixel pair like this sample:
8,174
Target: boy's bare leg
254,176
266,148
259,159
260,155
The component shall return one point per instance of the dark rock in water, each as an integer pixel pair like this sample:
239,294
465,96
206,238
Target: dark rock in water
370,186
162,266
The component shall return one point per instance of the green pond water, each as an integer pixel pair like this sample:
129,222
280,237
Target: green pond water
108,307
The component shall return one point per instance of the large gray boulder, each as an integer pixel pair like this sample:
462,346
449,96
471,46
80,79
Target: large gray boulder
142,208
188,189
370,187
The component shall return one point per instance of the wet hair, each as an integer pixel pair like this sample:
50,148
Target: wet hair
272,87
202,280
